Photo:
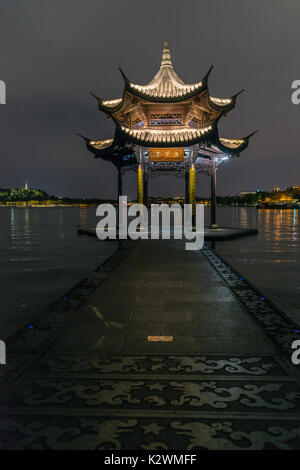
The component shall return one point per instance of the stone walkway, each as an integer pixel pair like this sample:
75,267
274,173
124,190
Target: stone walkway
91,379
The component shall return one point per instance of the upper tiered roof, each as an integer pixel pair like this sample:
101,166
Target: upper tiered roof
166,83
168,87
166,112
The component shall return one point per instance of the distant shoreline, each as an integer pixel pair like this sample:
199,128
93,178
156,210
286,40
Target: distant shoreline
84,206
24,206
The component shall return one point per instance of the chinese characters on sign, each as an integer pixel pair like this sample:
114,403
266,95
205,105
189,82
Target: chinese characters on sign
166,155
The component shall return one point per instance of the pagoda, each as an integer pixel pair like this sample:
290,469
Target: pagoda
167,126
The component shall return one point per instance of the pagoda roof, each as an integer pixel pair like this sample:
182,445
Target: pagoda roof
135,127
166,83
185,136
167,87
123,144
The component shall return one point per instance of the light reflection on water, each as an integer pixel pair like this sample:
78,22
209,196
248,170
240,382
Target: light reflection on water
42,257
270,260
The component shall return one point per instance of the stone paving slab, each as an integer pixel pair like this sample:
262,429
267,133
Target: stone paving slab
90,379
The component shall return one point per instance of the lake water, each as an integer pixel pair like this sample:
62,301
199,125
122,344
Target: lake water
271,259
42,256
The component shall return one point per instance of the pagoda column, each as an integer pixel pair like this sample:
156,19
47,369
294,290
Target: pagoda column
213,204
145,187
120,183
186,187
192,191
140,185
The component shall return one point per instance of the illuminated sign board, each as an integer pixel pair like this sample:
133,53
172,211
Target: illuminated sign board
165,154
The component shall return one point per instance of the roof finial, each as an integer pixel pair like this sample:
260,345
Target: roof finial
166,56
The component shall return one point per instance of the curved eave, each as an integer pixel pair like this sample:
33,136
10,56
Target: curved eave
113,150
233,147
186,142
167,99
109,109
104,152
221,108
131,87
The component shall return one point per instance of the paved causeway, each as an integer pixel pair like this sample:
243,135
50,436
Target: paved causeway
91,379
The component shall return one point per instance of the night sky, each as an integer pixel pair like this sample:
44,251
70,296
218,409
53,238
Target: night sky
53,53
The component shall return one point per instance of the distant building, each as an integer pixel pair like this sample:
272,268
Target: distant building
276,189
245,193
26,186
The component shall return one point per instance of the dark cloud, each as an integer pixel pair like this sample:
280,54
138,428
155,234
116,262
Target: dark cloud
54,52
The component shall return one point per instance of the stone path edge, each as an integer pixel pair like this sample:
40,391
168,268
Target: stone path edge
277,326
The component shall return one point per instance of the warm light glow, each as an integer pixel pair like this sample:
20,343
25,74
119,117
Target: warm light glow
166,83
160,338
220,100
167,136
176,90
111,102
165,154
101,144
232,143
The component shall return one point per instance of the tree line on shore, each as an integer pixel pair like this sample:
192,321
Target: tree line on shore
28,196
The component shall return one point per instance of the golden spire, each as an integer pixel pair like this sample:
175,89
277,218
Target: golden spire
166,56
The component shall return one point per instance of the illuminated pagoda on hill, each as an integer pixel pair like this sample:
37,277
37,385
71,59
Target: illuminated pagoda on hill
166,127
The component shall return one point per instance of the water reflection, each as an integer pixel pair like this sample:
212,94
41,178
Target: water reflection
271,260
27,228
42,257
12,226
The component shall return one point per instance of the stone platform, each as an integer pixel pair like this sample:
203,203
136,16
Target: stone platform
87,376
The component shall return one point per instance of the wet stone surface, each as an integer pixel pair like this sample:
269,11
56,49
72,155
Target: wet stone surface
86,376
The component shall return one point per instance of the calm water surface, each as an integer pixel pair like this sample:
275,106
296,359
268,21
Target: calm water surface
42,256
270,260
